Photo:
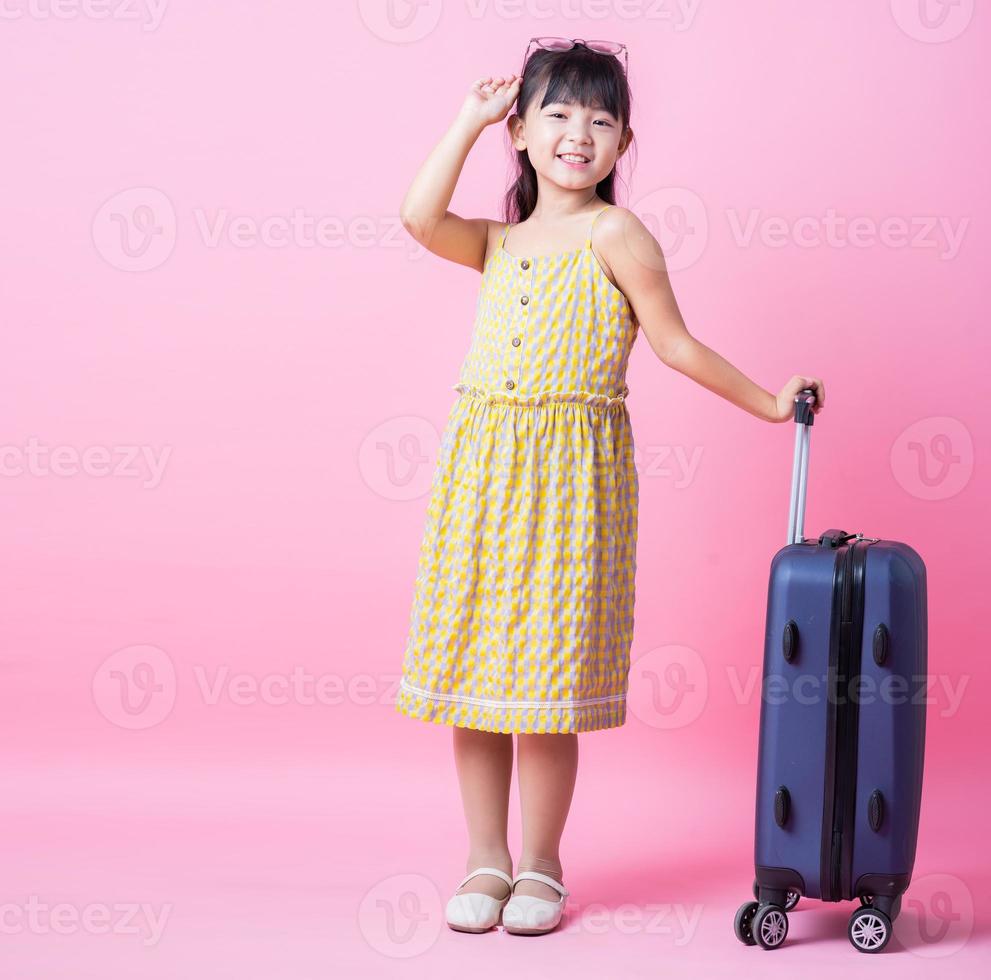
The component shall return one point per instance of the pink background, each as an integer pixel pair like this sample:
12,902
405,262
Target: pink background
291,392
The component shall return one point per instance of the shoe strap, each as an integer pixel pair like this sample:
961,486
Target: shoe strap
546,879
486,871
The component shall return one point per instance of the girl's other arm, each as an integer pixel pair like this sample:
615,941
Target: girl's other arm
424,210
637,262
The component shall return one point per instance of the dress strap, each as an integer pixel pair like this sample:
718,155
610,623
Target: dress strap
588,241
505,232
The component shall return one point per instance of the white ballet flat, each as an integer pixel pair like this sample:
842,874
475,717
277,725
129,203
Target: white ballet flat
527,915
474,911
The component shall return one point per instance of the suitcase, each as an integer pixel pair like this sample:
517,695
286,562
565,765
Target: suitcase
842,725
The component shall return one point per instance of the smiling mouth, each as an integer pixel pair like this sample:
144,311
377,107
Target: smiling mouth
573,158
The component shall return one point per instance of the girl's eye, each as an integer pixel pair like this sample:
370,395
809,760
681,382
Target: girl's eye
606,121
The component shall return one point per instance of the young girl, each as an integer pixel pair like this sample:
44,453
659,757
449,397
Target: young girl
522,616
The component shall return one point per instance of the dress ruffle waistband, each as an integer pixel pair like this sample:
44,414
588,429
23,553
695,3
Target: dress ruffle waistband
543,397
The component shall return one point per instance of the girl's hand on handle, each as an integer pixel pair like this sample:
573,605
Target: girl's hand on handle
490,99
785,401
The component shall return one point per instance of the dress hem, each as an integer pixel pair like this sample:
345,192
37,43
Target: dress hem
522,717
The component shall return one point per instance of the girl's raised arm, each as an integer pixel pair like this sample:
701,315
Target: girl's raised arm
638,263
424,210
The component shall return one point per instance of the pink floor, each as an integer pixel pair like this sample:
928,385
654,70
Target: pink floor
279,870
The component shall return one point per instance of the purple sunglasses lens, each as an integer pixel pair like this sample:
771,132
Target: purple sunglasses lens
605,47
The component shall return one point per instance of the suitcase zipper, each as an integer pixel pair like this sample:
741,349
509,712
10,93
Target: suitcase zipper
844,774
841,722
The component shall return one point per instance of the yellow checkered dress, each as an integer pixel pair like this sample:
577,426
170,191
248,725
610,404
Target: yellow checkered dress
522,615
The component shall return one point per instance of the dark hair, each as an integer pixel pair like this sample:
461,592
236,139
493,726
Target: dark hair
577,75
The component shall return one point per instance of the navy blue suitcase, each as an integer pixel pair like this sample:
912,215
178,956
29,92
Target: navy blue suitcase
842,725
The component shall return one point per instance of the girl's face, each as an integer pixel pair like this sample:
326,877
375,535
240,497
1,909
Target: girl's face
572,145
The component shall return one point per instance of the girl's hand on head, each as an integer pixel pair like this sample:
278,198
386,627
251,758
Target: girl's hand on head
490,99
785,401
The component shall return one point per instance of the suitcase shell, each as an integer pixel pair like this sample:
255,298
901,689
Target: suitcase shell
839,776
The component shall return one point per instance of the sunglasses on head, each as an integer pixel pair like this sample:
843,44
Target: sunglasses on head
567,43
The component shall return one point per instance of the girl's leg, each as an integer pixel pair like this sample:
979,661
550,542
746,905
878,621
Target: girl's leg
484,762
547,767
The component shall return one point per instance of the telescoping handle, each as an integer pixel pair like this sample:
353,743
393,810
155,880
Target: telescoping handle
804,417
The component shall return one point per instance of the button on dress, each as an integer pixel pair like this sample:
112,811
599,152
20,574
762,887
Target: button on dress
523,606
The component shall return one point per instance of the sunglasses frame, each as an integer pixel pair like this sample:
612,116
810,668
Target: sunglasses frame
576,41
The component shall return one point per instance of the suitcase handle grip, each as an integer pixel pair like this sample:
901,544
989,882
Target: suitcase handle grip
804,417
803,406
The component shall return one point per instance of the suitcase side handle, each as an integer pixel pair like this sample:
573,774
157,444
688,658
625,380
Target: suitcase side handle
804,417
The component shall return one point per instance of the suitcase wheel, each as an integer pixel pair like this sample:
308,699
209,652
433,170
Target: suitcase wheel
869,929
769,926
742,922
